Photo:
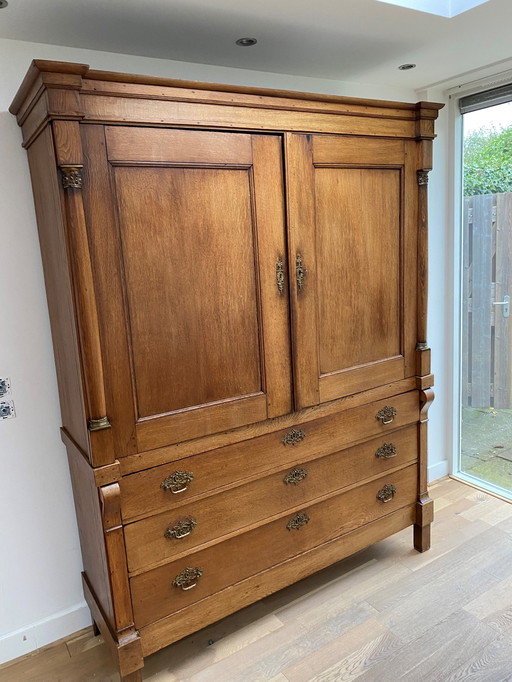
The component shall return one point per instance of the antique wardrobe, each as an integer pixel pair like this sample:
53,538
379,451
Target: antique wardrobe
237,282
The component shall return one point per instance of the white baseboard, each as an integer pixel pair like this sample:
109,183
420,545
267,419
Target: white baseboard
438,470
32,637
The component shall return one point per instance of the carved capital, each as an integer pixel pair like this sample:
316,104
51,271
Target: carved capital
71,176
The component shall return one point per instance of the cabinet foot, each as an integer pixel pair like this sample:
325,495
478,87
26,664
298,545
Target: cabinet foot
422,538
133,677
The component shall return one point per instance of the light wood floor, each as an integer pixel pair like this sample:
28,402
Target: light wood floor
386,614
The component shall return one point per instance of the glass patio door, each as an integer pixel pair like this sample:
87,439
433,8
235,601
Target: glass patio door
486,352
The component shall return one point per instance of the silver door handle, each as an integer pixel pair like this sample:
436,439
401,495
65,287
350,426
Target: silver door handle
506,305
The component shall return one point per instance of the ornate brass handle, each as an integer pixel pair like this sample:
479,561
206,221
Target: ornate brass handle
181,528
386,493
293,437
188,578
295,476
280,276
177,482
386,451
386,415
300,272
298,521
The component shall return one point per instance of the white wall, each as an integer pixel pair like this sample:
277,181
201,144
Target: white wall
40,591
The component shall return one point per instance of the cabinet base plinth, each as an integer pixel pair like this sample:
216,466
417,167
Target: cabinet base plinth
125,646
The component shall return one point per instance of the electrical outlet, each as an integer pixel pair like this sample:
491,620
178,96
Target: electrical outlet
5,386
7,409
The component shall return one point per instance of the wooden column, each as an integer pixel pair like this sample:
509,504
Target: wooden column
69,154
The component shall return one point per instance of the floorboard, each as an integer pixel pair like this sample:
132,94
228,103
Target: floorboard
383,615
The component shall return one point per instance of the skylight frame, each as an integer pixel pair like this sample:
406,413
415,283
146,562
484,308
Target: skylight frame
441,8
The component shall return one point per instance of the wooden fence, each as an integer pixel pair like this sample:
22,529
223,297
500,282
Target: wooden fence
487,278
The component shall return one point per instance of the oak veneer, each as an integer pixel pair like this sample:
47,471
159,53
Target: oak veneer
237,287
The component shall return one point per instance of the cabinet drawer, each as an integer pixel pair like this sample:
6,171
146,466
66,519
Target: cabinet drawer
165,535
142,493
155,593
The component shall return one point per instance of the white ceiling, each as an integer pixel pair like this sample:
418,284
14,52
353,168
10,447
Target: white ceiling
348,40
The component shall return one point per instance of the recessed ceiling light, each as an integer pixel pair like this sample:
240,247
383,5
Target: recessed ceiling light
246,42
406,67
3,3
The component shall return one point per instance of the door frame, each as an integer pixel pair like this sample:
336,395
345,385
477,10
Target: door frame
456,136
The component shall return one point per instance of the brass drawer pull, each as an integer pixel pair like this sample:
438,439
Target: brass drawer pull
298,521
386,493
181,528
188,578
386,451
386,415
177,482
293,437
295,476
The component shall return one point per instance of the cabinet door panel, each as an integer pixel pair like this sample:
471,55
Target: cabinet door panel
190,284
351,317
192,219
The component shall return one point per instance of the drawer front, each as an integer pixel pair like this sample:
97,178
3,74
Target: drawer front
142,493
159,538
164,590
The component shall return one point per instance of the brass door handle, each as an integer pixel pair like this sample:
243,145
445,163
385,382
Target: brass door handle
293,437
295,476
177,482
386,415
280,276
386,493
181,528
300,272
188,578
386,451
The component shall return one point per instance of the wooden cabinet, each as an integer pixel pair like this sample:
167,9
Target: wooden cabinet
237,288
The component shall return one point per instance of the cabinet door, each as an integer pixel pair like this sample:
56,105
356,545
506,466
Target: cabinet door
189,227
352,220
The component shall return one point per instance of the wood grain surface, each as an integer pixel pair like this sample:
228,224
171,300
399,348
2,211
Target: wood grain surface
385,614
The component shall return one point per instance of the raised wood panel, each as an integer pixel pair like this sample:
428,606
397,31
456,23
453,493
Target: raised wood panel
357,150
191,285
360,377
153,145
184,425
358,266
